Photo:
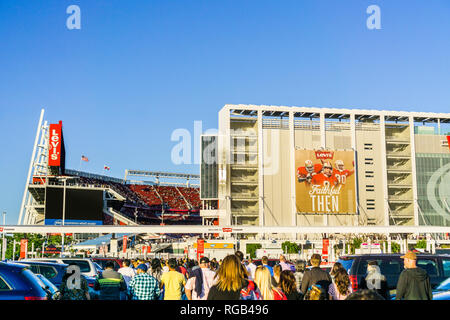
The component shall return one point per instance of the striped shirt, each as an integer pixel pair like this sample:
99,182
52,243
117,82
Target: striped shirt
144,287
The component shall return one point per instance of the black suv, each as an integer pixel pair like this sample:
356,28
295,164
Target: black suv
391,265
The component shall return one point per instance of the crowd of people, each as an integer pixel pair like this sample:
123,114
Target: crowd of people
234,278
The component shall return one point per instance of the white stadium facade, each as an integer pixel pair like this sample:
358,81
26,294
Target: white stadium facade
259,169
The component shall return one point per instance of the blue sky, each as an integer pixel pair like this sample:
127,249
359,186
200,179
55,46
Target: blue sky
138,70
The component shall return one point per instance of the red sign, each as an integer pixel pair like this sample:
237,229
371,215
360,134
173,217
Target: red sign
149,249
324,155
200,248
448,139
23,248
1,229
125,238
227,229
325,244
54,149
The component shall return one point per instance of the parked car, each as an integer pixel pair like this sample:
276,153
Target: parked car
102,262
391,265
54,272
52,290
86,265
18,282
442,292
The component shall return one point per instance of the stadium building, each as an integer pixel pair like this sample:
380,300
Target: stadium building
55,195
301,166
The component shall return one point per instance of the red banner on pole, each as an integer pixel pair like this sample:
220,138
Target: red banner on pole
54,149
448,139
325,245
200,248
125,239
23,248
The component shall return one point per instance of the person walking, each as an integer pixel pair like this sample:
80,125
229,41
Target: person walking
110,283
276,275
172,281
127,272
285,265
143,286
265,261
298,274
266,289
414,282
197,287
374,280
341,287
315,276
155,269
334,269
251,268
231,282
288,285
67,292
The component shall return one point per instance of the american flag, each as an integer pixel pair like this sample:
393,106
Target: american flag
83,158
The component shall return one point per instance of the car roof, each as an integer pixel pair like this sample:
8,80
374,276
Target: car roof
391,255
55,259
11,265
42,263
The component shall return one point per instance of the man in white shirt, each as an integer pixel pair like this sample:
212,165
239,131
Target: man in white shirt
251,269
127,272
206,281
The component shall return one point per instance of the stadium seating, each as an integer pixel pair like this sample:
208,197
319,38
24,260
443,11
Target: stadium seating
146,203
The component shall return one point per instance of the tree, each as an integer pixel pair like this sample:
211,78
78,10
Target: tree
289,247
421,244
251,249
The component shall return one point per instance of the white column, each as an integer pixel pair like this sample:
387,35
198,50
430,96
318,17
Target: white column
39,128
293,176
384,170
413,170
353,141
260,169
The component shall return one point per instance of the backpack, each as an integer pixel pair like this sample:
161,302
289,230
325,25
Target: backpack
249,292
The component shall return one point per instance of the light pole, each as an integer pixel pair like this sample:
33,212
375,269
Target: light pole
63,216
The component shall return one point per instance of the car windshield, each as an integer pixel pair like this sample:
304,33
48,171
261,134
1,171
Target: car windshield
47,283
33,277
97,266
444,286
84,265
347,263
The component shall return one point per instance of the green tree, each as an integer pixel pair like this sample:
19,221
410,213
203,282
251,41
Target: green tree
251,249
421,244
289,247
395,247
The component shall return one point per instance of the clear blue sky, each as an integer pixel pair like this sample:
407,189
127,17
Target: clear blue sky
137,70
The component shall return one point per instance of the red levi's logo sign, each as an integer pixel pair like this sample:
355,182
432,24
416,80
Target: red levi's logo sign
227,229
324,155
54,150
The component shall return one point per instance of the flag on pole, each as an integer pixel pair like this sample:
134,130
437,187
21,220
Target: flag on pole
83,158
106,167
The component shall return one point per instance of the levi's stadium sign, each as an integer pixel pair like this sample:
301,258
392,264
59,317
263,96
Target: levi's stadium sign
324,155
54,149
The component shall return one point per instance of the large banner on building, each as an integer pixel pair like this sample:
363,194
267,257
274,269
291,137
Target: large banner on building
54,149
325,182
